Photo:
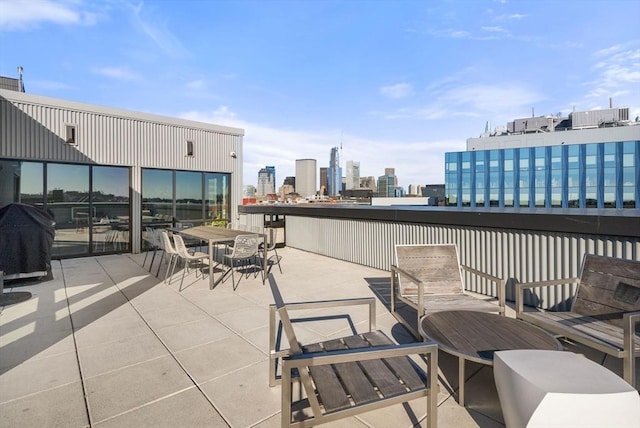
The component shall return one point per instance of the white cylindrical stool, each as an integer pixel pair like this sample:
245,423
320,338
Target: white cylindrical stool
562,389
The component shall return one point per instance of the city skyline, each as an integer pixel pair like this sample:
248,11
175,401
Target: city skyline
394,83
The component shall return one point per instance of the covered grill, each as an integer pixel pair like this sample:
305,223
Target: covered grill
26,240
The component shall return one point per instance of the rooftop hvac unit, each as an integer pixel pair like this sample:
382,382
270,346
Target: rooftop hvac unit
599,118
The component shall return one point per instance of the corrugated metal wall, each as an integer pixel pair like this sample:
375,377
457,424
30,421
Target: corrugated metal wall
34,128
521,256
38,132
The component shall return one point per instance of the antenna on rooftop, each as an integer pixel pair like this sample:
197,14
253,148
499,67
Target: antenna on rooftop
340,163
20,82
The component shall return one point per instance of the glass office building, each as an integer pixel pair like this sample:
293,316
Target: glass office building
593,175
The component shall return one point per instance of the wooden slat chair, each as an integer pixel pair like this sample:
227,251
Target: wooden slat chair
352,375
604,312
429,278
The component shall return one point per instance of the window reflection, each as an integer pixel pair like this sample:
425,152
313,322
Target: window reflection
217,188
594,175
157,196
110,197
68,201
21,182
188,196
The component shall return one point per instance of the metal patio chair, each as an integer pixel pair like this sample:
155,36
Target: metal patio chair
429,278
351,375
183,253
171,253
274,258
244,253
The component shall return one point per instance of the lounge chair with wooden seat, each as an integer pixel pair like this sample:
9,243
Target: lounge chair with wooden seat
351,375
604,312
429,278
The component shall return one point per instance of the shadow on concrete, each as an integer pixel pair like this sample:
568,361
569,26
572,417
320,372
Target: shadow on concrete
50,329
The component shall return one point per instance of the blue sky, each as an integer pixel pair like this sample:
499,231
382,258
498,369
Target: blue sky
399,83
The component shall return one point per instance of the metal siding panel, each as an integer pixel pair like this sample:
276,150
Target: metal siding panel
524,256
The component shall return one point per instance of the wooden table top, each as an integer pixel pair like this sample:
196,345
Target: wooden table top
214,234
475,336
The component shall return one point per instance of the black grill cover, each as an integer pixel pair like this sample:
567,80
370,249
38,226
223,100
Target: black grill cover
26,239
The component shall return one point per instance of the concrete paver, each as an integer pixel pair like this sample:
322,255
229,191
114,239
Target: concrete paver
106,343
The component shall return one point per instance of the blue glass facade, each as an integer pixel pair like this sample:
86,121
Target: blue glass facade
597,175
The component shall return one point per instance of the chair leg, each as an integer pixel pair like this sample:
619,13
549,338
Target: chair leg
153,258
172,265
277,259
233,281
184,271
160,263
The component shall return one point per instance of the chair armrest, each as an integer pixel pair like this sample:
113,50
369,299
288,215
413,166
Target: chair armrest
501,284
321,304
361,354
280,353
521,287
630,321
395,270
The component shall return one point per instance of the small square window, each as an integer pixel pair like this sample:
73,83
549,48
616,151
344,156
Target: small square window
71,134
189,148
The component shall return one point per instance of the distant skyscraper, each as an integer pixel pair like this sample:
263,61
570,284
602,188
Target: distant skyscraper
334,173
368,183
386,186
266,181
285,190
392,171
306,183
353,175
324,185
248,190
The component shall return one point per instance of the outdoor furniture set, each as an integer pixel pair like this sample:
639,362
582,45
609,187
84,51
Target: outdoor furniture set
604,315
365,371
242,251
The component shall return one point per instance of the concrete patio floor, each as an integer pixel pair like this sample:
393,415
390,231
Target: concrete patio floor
105,343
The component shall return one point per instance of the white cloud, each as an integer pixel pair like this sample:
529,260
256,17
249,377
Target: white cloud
27,14
510,17
157,31
266,145
451,33
117,73
495,101
494,29
607,51
397,91
618,72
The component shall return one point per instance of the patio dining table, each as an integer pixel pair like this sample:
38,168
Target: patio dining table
218,235
476,336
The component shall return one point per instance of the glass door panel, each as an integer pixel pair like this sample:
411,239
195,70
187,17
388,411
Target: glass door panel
68,201
110,198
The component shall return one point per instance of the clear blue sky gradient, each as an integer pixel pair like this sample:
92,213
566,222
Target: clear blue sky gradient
397,83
